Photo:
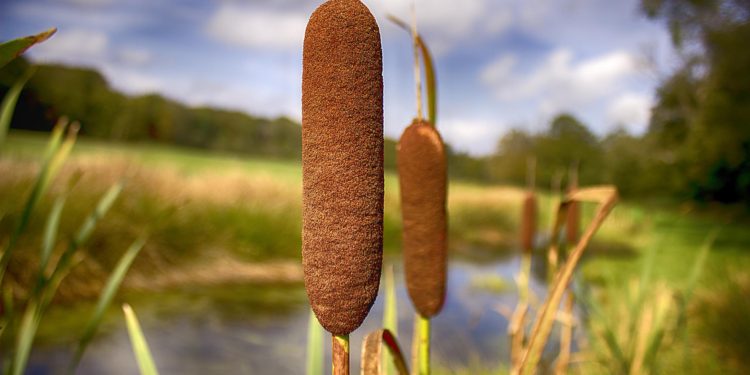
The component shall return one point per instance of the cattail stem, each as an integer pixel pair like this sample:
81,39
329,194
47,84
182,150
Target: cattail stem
566,336
424,345
523,278
417,71
340,354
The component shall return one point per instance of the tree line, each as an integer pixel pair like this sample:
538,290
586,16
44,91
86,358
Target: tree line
697,145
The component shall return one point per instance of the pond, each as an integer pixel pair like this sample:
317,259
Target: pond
262,329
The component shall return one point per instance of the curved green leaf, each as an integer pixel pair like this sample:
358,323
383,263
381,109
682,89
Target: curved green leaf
429,71
13,48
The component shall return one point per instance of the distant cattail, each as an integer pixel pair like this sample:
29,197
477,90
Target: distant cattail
342,163
528,221
423,181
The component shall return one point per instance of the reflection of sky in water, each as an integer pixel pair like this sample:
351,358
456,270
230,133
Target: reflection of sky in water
190,332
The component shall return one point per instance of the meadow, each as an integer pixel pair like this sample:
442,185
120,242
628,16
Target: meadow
214,219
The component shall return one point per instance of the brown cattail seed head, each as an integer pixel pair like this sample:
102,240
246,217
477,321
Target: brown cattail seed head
573,219
572,223
528,222
342,163
423,180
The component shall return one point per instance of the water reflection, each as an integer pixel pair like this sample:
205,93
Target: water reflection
262,329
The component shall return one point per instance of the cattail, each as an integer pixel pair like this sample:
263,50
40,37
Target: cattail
423,182
342,163
528,222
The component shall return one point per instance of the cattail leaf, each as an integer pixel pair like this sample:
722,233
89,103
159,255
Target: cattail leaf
700,263
390,314
104,204
596,194
25,337
138,342
13,48
546,315
105,299
8,105
50,233
372,357
429,71
314,346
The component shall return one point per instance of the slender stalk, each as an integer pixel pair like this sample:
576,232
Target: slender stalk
566,336
523,278
424,345
518,320
340,355
417,71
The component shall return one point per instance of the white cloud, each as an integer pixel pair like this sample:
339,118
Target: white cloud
500,70
74,46
134,56
559,82
475,136
631,110
445,23
258,28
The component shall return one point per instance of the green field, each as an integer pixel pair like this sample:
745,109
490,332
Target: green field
196,206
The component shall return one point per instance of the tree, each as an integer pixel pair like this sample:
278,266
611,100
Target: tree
701,123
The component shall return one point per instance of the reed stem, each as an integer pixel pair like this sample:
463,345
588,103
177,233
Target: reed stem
424,345
340,355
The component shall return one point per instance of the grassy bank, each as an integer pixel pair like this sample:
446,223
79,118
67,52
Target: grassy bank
204,209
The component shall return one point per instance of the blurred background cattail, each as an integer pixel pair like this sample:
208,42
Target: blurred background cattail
423,183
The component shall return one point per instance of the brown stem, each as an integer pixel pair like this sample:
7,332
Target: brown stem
340,354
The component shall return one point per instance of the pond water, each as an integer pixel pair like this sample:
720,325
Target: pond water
262,329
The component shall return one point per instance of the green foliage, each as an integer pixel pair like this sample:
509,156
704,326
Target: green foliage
84,94
699,126
628,333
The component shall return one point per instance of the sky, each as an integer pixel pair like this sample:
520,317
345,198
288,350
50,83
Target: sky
501,64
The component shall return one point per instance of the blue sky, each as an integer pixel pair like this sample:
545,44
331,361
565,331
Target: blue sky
501,64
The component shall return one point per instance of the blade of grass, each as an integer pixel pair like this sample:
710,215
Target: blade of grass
69,257
40,184
138,341
105,299
372,356
8,105
25,337
13,48
607,196
608,334
314,346
50,233
429,71
390,314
